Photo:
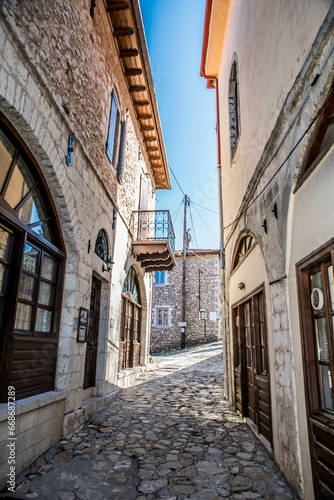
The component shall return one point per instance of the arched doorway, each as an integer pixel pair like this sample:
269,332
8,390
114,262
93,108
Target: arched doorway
250,335
31,272
130,338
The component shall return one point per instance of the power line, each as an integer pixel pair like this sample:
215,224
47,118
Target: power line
177,182
208,209
178,210
206,224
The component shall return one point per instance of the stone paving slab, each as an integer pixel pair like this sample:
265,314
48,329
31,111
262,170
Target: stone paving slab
169,436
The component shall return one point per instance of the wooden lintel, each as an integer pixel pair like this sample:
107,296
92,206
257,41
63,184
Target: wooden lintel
128,53
141,103
123,32
147,127
144,116
114,7
133,71
137,88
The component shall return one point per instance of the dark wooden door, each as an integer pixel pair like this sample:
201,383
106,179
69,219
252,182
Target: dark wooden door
316,288
249,343
129,345
92,334
251,373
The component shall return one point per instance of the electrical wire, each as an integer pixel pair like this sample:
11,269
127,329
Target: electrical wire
283,163
177,182
208,209
192,223
206,224
178,211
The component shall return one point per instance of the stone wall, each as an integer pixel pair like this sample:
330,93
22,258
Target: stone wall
58,67
202,294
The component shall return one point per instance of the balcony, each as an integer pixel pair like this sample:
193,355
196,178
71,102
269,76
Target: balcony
154,243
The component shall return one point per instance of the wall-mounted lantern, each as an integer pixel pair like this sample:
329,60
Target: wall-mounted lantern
241,285
108,264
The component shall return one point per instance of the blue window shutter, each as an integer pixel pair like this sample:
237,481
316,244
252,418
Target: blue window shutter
156,276
162,277
112,126
121,152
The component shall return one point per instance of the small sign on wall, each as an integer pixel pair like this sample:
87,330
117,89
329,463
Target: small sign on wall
82,325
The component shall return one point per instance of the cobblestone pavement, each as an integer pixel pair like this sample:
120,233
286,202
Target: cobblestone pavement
170,436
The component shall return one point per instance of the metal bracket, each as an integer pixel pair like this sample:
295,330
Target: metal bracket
70,150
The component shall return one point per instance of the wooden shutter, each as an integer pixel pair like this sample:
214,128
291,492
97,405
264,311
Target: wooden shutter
121,152
112,126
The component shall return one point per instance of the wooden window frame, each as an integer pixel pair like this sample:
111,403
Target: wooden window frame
319,258
315,153
235,264
25,234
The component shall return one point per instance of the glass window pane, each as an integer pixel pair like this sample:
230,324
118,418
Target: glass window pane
331,285
6,155
249,358
247,330
49,268
23,317
262,334
261,308
326,387
43,320
46,293
247,315
322,341
30,259
27,287
165,317
160,317
263,360
5,244
21,182
3,275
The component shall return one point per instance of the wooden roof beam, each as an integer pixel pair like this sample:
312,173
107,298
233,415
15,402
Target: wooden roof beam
125,31
117,6
144,116
133,72
137,88
147,127
128,53
150,139
141,103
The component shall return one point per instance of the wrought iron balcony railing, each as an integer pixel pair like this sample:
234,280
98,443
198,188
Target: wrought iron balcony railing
153,225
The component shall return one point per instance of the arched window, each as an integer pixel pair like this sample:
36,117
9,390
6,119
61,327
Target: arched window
129,345
245,245
321,141
233,106
102,245
31,257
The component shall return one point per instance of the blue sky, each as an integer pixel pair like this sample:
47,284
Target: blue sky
174,33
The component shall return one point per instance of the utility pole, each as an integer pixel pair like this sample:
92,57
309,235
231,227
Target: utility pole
185,241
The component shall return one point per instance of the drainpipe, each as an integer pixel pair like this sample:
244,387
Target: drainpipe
210,85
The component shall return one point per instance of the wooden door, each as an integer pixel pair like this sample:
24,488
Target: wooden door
316,294
250,352
92,334
249,343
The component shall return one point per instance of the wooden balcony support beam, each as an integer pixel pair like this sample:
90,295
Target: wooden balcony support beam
137,88
117,6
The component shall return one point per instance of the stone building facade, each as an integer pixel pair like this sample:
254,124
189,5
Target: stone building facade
81,149
275,105
202,311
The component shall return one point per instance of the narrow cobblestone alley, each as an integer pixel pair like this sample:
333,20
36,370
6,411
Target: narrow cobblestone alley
170,436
